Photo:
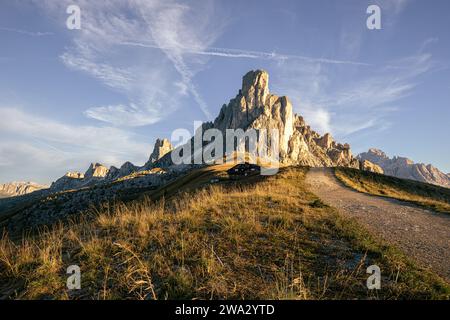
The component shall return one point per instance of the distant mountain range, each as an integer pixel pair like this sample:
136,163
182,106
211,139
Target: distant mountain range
13,189
405,168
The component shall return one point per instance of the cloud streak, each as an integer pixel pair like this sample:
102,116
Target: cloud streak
27,33
354,104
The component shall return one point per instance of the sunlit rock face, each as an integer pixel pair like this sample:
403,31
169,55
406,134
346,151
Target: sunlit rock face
96,170
366,165
76,180
255,107
161,148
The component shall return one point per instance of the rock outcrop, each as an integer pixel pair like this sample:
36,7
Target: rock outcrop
126,169
96,170
255,107
161,148
13,189
76,180
71,180
366,165
405,168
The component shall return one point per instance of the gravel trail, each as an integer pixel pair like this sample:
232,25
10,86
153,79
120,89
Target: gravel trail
421,234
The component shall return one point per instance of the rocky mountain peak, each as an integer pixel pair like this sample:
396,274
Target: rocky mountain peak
255,88
161,148
127,165
405,168
96,170
126,169
403,161
326,141
377,153
74,175
254,107
75,180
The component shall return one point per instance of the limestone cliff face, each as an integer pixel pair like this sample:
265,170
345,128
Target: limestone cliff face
161,148
405,168
96,170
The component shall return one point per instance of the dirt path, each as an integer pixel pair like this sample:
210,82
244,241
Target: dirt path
419,233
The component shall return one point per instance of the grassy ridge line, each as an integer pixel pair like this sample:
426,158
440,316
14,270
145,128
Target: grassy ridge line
189,181
272,240
422,194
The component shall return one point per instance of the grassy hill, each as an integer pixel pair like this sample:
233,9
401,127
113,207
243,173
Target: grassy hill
236,238
422,194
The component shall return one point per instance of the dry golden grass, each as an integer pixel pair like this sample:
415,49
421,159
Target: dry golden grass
422,194
271,240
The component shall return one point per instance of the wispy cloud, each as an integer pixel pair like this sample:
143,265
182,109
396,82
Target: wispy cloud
353,104
124,115
55,147
112,76
27,33
181,37
154,83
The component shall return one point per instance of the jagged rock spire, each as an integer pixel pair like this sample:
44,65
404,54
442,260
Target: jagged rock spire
255,88
161,148
96,170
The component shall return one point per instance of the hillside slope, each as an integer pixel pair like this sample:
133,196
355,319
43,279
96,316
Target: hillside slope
422,194
226,238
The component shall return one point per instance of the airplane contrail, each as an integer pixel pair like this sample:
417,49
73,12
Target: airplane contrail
248,54
28,33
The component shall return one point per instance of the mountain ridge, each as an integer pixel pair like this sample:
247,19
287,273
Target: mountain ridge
254,107
405,168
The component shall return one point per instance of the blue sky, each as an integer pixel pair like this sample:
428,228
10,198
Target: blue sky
137,70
